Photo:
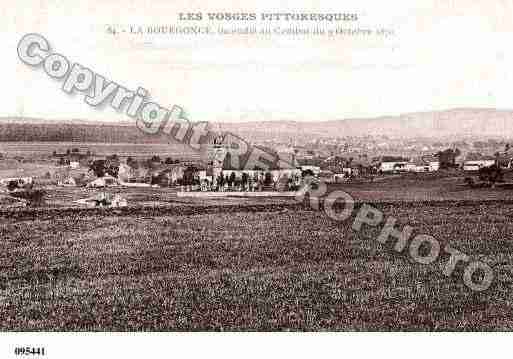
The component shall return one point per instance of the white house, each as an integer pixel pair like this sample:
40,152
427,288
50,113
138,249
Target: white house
475,165
423,166
67,182
433,166
417,167
393,166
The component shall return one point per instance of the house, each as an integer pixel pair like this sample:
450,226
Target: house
361,166
345,167
477,164
423,164
126,173
105,181
434,166
393,166
417,166
338,172
433,163
506,162
340,177
67,182
474,162
66,176
73,158
167,175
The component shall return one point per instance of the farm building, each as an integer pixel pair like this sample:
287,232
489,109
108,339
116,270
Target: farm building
360,167
67,176
74,158
474,162
20,180
67,182
432,162
434,166
167,175
309,169
17,182
126,173
133,173
393,166
477,164
106,181
424,164
505,160
417,166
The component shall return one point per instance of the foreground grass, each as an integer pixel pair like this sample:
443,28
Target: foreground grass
281,270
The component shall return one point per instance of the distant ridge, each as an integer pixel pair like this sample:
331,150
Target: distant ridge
458,122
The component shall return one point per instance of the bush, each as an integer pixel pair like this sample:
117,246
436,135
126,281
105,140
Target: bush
34,197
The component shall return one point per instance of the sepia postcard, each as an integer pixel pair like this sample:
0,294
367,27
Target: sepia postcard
169,167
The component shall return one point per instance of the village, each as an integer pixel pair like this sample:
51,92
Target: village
211,171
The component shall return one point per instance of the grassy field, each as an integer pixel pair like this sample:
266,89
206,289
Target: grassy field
394,189
168,263
44,149
422,187
235,267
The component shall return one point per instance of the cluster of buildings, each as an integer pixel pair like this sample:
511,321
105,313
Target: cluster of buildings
214,171
421,164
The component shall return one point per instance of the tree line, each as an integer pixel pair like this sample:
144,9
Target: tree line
28,132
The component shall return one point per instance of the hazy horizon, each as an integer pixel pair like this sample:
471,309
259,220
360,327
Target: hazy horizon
456,123
128,120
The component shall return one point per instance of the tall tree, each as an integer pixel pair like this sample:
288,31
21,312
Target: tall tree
447,158
98,167
232,179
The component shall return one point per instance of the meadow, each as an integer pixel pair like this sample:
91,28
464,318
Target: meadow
169,263
44,149
274,266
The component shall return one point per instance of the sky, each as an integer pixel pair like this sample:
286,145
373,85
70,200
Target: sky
441,55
